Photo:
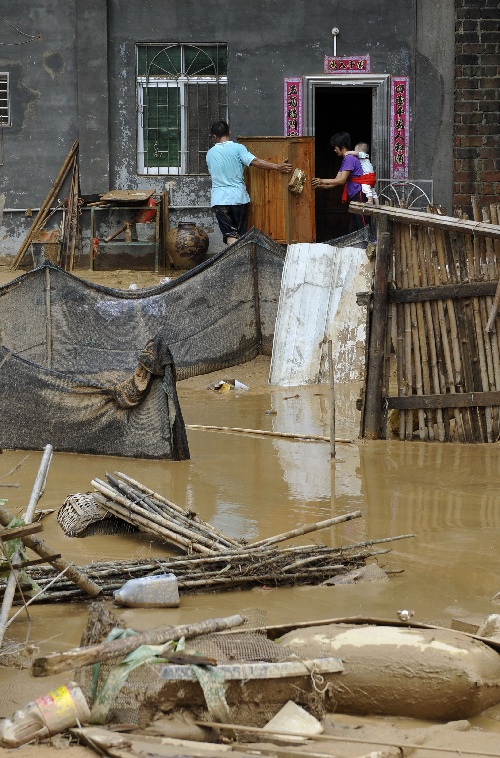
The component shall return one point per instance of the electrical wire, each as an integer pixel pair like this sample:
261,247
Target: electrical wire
25,34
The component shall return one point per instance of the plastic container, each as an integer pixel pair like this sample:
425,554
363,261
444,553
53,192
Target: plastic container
50,714
147,215
159,591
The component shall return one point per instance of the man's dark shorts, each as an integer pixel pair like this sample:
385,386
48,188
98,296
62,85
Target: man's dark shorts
232,219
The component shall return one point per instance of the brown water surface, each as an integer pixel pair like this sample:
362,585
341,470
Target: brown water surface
254,487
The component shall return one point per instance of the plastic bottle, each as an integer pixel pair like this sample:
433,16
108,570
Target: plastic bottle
50,714
158,591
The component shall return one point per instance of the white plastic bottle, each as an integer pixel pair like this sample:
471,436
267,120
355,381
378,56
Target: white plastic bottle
158,591
50,714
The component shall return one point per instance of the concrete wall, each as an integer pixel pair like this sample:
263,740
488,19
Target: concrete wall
78,79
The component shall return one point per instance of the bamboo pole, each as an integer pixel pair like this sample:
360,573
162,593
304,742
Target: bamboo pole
471,342
128,511
331,376
36,494
422,336
408,371
409,242
440,277
400,351
46,552
400,745
437,361
307,437
43,212
175,507
196,525
305,529
55,663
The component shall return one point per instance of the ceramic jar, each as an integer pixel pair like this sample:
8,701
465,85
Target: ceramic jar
186,245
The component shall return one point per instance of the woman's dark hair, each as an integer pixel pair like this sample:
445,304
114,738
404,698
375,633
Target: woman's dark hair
220,129
340,140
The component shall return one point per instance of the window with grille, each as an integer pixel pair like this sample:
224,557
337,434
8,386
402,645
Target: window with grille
181,91
4,100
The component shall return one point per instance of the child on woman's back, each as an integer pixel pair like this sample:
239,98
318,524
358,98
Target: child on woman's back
361,152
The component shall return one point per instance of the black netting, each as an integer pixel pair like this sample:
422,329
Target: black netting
65,343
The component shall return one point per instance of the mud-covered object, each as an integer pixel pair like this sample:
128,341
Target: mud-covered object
434,674
65,343
90,413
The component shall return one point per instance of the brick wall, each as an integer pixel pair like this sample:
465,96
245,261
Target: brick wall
477,103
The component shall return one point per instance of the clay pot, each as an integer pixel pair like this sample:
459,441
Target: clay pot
186,245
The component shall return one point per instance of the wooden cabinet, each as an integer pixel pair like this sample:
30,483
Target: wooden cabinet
283,216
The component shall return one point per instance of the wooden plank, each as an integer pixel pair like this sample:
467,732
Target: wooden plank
441,292
419,218
458,400
17,532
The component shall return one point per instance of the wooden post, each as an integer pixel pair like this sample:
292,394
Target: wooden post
332,400
376,352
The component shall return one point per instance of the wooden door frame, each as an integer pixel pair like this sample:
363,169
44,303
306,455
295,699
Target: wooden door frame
379,84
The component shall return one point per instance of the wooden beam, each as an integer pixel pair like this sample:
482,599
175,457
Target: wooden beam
420,218
20,531
442,292
376,351
458,400
55,663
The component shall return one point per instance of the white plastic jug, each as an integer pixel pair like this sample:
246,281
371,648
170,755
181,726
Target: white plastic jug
158,591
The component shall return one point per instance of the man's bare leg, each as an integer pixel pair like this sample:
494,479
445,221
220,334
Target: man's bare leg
230,240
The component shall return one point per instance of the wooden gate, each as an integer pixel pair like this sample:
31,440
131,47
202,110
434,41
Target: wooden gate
433,357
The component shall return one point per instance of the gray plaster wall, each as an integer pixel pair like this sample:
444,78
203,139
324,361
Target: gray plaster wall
37,49
434,86
78,79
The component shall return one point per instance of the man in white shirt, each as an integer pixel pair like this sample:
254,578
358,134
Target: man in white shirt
226,162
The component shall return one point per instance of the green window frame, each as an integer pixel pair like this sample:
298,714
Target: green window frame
181,91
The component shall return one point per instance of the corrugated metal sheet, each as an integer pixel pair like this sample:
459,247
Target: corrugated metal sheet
317,303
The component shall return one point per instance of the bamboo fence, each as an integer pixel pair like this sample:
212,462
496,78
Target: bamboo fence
441,338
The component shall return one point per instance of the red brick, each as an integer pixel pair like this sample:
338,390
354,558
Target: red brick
466,106
461,200
473,48
471,141
490,176
489,83
471,119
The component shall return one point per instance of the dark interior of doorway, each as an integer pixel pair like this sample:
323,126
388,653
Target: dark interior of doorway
345,108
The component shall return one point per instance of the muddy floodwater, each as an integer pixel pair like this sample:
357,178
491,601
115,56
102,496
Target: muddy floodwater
254,487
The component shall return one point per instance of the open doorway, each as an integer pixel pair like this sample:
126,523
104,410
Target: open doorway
336,109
